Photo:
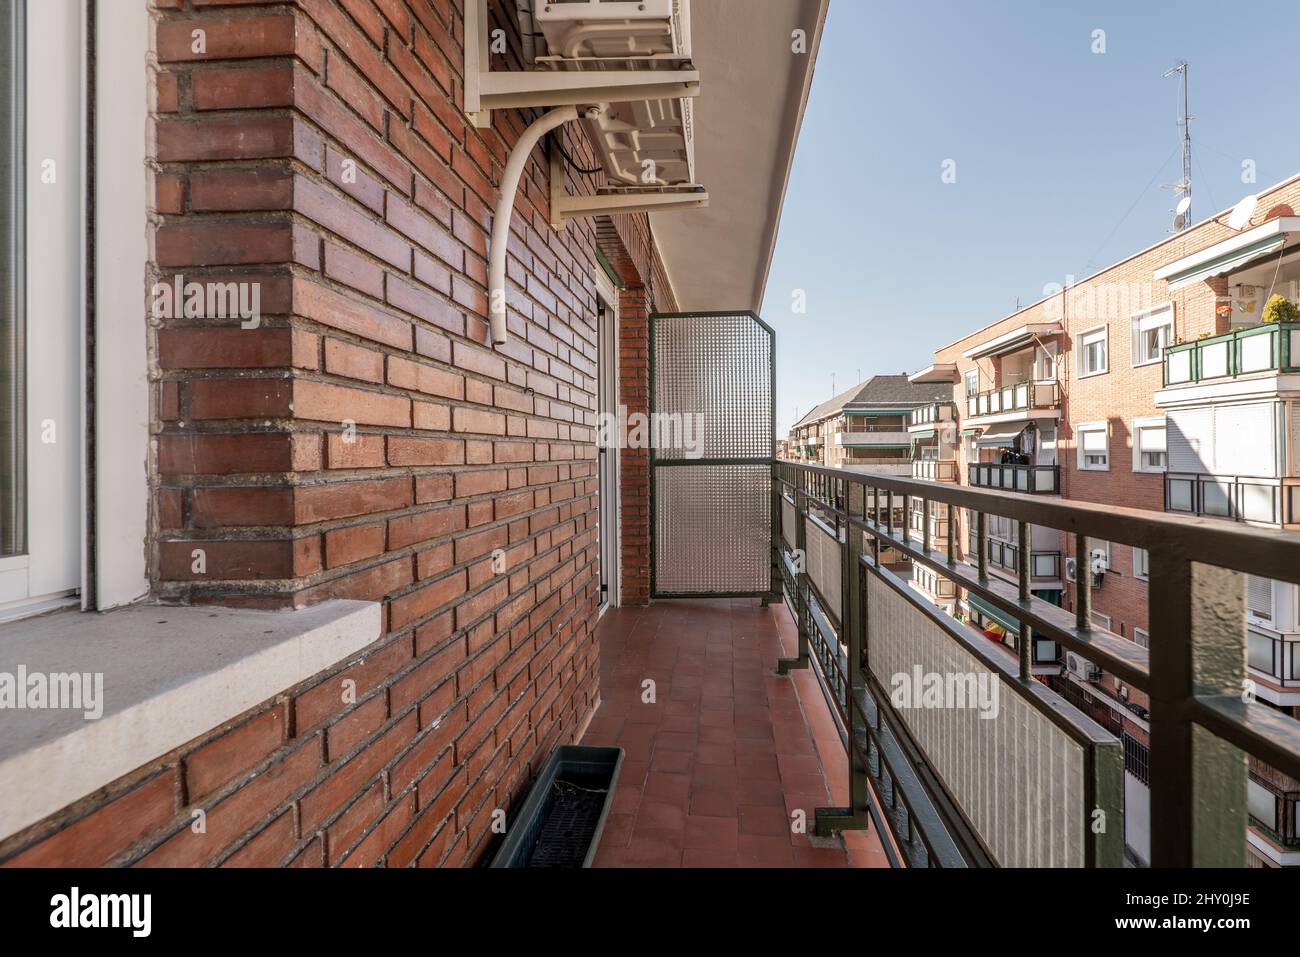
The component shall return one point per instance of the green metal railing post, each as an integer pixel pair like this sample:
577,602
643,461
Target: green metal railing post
801,659
775,592
1198,780
857,815
1023,574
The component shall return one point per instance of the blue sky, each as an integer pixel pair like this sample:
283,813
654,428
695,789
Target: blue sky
1054,148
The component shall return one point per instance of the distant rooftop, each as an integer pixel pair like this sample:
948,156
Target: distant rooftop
879,392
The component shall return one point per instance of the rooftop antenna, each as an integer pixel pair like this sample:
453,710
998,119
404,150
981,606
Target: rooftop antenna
1183,212
832,383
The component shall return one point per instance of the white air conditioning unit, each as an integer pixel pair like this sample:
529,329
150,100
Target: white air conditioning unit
1081,667
615,29
1071,566
643,143
1098,564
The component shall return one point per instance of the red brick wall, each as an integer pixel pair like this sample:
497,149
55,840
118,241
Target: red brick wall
374,320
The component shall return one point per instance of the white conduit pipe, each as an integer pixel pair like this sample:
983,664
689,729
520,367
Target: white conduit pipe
505,209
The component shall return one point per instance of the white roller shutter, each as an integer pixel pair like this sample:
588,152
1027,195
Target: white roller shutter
1244,442
1190,435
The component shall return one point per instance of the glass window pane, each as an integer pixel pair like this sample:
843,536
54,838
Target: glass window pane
13,442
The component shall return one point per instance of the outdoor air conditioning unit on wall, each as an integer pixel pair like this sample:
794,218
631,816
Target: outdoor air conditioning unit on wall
1081,667
615,28
1099,564
642,142
1071,567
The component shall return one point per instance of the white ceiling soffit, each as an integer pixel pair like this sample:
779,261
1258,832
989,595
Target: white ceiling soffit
753,92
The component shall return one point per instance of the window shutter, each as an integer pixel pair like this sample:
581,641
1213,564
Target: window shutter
1259,597
1190,438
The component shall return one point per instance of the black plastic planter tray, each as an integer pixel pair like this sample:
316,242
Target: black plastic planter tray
561,821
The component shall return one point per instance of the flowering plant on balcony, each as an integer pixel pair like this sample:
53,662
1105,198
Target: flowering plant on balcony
1281,309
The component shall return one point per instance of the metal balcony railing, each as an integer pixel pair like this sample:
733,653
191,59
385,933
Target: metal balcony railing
1272,347
1033,479
1282,825
1043,565
1272,501
1017,397
935,470
1039,782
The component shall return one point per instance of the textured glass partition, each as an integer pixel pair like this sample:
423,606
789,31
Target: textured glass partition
713,529
712,438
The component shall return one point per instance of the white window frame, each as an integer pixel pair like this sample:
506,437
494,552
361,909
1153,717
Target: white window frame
1151,422
1137,320
122,202
1141,570
966,381
1085,339
1142,637
1098,617
1087,428
50,572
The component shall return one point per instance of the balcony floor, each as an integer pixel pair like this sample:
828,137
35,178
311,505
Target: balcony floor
714,770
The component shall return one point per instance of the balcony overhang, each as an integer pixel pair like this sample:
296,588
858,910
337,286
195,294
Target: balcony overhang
1231,254
1013,340
940,372
747,117
1266,385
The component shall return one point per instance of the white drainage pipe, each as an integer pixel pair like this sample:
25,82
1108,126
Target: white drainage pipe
505,209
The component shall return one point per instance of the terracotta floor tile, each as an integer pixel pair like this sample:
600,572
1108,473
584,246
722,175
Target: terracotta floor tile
709,857
654,851
662,786
674,762
715,802
762,851
714,775
714,768
758,819
660,816
820,857
713,833
715,754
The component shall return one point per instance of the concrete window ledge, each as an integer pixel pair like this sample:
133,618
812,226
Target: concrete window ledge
170,674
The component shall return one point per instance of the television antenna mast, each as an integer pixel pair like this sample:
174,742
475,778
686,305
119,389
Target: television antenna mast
1183,212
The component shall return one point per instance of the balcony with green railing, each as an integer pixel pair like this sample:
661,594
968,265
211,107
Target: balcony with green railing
1032,479
1027,397
951,787
1273,347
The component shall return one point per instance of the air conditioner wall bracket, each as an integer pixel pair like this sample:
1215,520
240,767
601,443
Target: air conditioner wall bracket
565,207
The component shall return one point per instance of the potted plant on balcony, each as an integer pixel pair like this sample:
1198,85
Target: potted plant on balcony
1281,309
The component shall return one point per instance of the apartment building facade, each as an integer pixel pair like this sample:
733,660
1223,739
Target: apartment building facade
352,542
1153,384
865,427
